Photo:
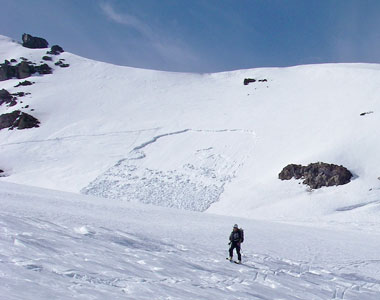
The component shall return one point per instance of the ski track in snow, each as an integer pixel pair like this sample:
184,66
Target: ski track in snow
193,182
70,137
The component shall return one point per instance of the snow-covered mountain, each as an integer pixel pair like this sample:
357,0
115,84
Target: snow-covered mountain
200,142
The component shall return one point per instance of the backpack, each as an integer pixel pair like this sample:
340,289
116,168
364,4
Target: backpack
241,235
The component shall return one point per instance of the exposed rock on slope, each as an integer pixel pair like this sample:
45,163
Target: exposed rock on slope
22,70
317,175
55,50
24,83
18,119
6,97
32,42
251,80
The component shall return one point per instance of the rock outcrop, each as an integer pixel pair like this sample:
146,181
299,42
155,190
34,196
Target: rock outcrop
19,120
55,50
6,97
32,42
317,175
7,71
22,70
248,81
43,69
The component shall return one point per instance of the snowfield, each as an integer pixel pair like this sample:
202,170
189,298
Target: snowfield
56,245
199,141
130,187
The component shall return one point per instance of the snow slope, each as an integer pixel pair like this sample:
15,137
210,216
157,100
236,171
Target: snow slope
56,245
200,141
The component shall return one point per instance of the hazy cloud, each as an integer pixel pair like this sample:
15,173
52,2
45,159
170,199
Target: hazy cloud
127,19
168,48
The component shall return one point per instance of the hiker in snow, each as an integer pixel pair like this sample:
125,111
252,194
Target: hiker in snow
236,238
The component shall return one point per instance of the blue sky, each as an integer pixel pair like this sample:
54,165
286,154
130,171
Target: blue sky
202,35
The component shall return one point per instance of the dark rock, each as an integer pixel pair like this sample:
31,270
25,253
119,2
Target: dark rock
24,83
24,70
18,120
55,50
7,72
317,175
13,60
62,64
7,120
44,69
27,121
32,42
23,58
12,103
366,113
48,58
291,171
26,106
249,80
20,94
1,171
5,97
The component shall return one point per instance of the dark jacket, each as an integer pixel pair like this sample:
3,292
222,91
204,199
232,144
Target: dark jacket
237,237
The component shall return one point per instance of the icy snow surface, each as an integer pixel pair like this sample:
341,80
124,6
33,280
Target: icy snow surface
56,245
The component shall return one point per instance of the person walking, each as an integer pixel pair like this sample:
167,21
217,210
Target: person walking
236,238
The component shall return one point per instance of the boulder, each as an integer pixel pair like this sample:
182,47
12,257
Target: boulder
7,72
18,119
44,69
55,50
317,175
47,58
5,97
248,81
32,42
24,70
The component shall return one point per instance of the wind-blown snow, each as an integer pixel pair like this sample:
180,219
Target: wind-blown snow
56,245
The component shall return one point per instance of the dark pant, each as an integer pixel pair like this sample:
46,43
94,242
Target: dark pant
235,245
